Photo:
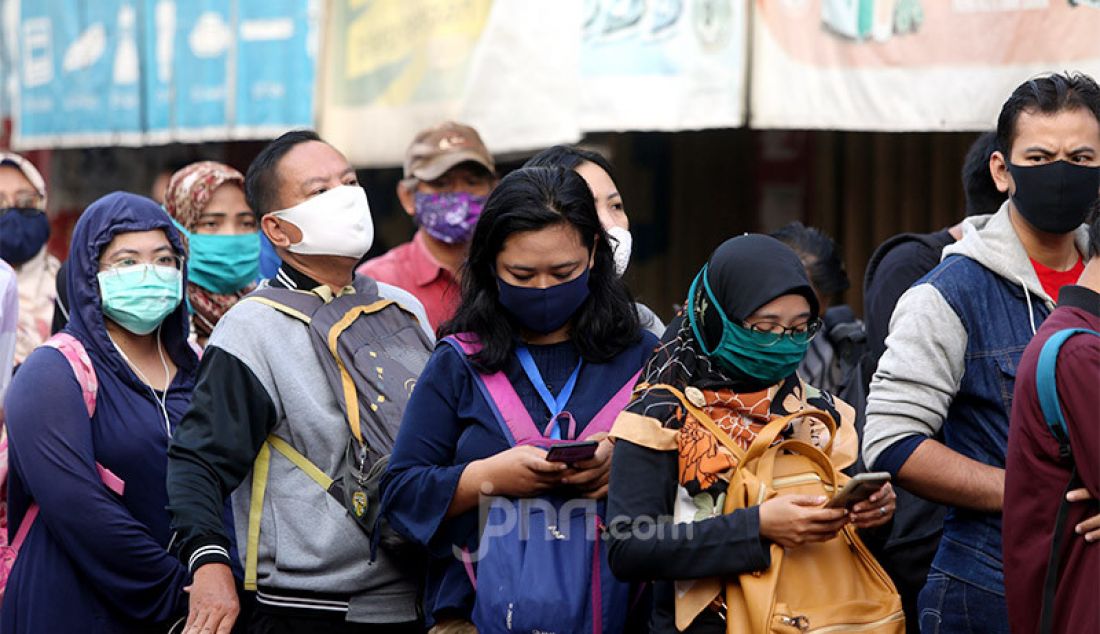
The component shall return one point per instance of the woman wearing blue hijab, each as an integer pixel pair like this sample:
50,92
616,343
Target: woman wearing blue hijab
94,559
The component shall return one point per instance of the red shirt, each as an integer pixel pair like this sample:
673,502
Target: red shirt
1036,479
1053,280
410,266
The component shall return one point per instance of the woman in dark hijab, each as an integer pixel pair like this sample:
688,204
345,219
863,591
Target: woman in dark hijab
90,416
749,318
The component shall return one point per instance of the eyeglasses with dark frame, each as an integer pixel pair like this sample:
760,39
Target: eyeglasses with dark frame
800,333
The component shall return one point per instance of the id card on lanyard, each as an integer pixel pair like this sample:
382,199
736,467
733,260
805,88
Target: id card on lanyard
557,404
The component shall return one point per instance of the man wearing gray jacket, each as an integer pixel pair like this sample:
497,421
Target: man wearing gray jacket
957,335
265,425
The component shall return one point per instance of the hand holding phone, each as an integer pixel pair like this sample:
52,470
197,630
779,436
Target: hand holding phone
858,489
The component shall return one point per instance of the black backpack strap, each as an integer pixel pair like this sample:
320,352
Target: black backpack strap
1054,560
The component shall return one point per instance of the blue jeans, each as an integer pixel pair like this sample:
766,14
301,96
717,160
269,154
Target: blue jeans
949,606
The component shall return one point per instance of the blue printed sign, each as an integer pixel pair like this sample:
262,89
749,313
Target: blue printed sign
79,72
152,71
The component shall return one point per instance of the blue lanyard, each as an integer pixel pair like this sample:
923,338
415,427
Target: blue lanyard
555,405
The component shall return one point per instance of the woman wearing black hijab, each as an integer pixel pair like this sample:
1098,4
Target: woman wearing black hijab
750,316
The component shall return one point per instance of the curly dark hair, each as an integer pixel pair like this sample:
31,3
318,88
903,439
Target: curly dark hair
531,199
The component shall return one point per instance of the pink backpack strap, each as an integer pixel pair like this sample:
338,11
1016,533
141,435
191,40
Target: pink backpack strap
501,396
605,418
509,409
74,352
81,364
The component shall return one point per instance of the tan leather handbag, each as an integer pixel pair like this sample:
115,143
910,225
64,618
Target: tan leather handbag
832,586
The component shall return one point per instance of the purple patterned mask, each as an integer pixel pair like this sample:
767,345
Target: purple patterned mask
449,217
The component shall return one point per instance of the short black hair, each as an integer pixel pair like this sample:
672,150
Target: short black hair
1048,95
261,180
1094,230
820,256
569,157
532,199
982,195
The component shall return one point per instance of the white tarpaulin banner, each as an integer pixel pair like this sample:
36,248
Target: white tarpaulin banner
909,65
527,73
393,67
663,65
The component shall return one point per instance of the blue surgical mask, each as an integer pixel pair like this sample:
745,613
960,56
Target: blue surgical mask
544,310
138,298
766,357
222,263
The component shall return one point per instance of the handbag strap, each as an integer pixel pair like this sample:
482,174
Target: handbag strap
768,435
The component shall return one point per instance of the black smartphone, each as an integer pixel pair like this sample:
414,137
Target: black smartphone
572,452
858,489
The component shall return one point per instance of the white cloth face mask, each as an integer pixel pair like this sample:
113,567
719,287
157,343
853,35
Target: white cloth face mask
337,222
621,244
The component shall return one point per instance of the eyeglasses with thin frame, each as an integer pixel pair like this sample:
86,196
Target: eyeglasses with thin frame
800,333
21,201
164,267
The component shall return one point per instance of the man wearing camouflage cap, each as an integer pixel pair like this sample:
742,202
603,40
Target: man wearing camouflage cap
448,176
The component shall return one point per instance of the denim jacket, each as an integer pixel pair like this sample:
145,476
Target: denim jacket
997,320
955,340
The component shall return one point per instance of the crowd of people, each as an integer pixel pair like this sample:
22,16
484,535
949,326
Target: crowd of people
218,416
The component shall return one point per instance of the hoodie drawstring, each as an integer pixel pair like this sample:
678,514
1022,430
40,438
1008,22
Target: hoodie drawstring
1030,310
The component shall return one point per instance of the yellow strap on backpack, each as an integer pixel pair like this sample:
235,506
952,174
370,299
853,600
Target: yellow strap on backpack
259,489
282,308
351,395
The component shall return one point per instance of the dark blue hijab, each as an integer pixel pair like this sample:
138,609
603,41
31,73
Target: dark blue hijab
111,215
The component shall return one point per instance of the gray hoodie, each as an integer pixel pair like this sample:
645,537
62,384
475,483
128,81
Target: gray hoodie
922,368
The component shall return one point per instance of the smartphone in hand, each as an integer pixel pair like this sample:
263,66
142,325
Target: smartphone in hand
572,452
858,489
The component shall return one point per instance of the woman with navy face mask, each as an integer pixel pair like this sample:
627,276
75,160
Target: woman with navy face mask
732,355
206,200
90,415
546,335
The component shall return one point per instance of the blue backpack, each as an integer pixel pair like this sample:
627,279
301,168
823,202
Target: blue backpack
541,565
1046,385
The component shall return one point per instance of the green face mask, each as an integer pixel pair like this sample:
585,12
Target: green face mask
139,297
767,357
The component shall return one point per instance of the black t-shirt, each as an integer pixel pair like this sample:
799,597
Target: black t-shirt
896,265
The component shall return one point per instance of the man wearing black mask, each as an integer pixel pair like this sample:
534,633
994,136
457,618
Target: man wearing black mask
956,338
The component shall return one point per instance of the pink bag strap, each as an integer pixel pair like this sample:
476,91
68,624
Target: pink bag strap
24,527
468,564
605,418
81,364
74,352
515,421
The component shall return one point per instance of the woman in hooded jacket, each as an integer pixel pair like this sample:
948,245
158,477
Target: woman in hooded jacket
87,481
734,353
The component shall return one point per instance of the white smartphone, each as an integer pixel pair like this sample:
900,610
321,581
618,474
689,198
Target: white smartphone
858,489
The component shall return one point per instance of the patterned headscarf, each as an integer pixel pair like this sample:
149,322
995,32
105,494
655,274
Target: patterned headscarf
189,191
